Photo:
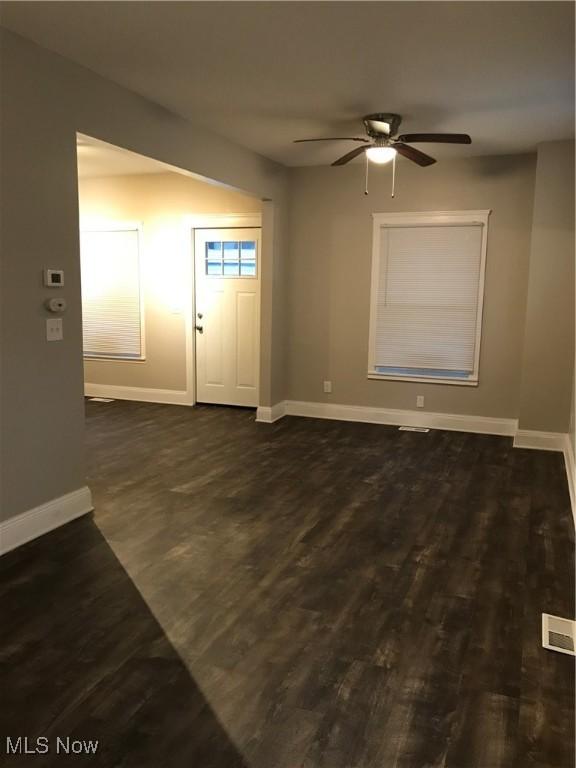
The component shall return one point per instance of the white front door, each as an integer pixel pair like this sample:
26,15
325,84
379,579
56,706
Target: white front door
227,315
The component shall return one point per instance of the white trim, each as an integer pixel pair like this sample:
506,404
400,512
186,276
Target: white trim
189,312
140,394
219,221
539,441
425,218
423,380
419,219
396,417
270,414
571,473
35,522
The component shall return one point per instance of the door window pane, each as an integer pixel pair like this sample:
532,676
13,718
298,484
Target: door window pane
231,250
248,268
248,258
248,250
213,267
231,268
214,258
214,250
230,258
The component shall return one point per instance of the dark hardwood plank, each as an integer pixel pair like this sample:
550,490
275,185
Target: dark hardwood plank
307,594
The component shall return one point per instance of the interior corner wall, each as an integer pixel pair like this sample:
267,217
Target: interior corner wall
548,358
45,100
329,270
159,202
279,366
572,426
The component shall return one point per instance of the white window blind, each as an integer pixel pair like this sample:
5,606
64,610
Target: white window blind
426,298
111,304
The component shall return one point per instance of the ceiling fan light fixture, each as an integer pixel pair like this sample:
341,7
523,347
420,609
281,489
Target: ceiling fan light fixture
380,126
380,155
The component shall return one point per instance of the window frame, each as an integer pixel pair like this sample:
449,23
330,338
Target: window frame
121,226
426,219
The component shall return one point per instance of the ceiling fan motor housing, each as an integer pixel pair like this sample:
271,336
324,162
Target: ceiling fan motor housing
382,124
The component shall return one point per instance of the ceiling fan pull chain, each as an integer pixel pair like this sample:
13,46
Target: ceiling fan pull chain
366,185
393,174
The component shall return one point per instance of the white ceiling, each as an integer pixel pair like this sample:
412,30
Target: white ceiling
265,73
96,158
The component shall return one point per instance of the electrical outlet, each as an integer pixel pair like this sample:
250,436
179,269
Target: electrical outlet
419,401
54,329
328,387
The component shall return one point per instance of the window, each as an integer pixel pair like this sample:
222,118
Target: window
426,297
231,258
111,296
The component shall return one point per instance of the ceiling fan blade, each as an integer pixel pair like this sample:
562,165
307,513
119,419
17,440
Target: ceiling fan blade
440,138
331,138
413,154
349,156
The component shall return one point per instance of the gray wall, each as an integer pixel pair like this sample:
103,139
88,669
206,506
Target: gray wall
45,100
329,278
548,359
572,427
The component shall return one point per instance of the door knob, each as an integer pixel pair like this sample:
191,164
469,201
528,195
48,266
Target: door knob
199,328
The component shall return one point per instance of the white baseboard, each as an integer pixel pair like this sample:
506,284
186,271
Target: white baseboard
552,441
270,414
35,522
140,394
571,473
539,441
395,417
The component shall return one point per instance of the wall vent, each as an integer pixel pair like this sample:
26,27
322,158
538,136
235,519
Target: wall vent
413,429
558,634
101,400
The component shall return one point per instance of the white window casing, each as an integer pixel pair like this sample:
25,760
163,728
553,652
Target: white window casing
112,304
427,293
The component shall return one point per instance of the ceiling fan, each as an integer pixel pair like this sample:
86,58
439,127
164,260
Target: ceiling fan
383,142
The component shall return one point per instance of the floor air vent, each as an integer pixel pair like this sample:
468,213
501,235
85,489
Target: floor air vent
413,429
558,634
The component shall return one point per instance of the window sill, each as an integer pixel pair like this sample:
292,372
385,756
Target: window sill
104,359
424,379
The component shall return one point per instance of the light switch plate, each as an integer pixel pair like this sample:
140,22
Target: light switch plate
54,329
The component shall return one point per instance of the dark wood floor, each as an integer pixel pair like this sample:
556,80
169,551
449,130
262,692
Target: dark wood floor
308,594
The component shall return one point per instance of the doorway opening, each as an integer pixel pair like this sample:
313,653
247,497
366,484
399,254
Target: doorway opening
159,246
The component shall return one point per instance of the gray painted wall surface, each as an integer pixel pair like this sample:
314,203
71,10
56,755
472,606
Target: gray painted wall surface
45,100
548,359
329,278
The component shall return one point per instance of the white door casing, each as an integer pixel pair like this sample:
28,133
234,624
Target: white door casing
227,315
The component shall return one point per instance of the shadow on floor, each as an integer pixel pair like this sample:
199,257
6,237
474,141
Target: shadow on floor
83,657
